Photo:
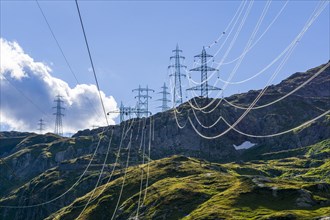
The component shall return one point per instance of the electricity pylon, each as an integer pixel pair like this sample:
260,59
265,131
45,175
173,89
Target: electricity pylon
41,126
177,66
164,99
204,87
95,126
59,114
143,101
124,112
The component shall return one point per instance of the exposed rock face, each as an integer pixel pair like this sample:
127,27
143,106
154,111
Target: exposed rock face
307,103
305,199
41,152
318,87
26,155
9,140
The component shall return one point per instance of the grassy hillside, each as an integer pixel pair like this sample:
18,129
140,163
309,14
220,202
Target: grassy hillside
288,184
187,188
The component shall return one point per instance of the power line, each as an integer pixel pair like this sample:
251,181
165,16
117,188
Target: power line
265,105
96,149
289,50
248,45
238,31
247,12
149,160
10,168
123,137
244,53
124,178
175,112
142,170
57,43
248,109
307,25
62,52
91,60
224,32
25,96
286,95
279,133
265,31
100,175
76,183
68,190
232,126
124,112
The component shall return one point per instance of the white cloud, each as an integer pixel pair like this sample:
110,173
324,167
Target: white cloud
28,91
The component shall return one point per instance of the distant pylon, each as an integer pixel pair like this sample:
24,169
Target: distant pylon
95,126
164,99
58,114
177,93
41,126
124,112
204,87
143,97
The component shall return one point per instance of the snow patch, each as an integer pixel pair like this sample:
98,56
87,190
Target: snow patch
244,145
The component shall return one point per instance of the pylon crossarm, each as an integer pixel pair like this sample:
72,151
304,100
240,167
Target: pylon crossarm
164,100
196,69
195,88
213,88
203,55
181,74
181,57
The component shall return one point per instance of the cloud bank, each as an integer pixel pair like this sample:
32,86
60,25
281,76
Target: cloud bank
28,91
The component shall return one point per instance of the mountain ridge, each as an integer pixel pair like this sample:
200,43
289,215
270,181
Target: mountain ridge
35,168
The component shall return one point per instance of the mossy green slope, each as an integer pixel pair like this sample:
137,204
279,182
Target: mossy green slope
288,187
186,188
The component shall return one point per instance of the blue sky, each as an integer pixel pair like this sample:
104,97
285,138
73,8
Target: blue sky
131,41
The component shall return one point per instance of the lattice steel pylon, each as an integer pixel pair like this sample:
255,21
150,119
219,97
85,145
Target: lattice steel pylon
58,114
164,98
124,112
142,106
41,125
204,87
177,66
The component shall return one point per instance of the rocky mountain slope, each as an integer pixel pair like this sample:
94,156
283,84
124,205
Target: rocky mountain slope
37,168
180,187
186,188
308,102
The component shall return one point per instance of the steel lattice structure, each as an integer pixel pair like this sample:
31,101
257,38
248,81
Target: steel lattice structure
142,106
204,87
177,66
164,98
41,125
58,114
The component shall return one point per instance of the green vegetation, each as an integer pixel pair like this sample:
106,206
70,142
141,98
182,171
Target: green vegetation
187,188
288,184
